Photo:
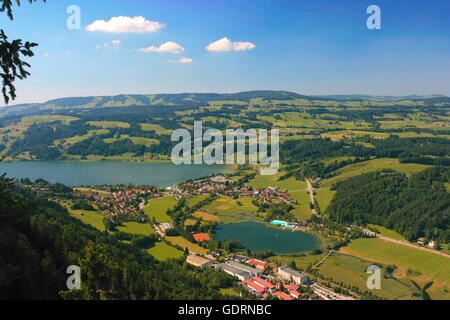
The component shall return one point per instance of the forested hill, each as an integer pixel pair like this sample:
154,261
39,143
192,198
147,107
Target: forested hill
415,207
38,241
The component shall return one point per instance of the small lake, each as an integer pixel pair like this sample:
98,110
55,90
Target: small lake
108,172
258,236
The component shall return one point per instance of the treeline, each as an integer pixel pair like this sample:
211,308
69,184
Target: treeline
39,139
395,147
39,240
415,207
293,152
304,158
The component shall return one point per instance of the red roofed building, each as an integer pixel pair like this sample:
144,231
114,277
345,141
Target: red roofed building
295,294
253,287
282,296
258,264
264,283
200,237
290,287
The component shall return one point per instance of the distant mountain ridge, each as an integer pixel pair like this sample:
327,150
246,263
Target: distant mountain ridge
191,99
369,97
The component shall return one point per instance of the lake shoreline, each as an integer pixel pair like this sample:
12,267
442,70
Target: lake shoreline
109,172
258,236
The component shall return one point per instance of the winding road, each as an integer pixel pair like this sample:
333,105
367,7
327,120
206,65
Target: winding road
411,245
311,192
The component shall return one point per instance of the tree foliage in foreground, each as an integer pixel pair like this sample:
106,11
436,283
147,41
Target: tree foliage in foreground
39,240
12,65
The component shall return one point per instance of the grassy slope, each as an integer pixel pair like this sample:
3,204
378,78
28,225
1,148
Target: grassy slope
229,211
162,251
136,228
92,218
296,188
352,271
373,165
183,243
426,266
157,208
387,232
196,200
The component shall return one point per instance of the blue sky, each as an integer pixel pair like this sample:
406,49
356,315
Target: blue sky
310,47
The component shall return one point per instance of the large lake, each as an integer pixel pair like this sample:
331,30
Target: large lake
107,172
258,236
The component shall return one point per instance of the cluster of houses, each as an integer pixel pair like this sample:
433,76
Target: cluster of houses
128,202
441,124
423,242
222,186
282,282
163,229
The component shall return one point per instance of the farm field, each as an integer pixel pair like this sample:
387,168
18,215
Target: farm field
205,216
290,184
373,165
423,266
109,124
302,210
387,232
348,134
352,271
183,243
157,208
230,211
155,127
324,196
196,200
136,228
92,218
302,262
232,292
47,119
421,135
162,252
297,189
90,134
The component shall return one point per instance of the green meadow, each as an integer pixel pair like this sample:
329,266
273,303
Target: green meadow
230,211
157,208
196,200
136,228
373,165
183,243
416,264
162,252
324,196
92,218
387,232
353,271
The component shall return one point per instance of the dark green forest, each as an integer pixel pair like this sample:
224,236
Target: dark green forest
39,240
418,206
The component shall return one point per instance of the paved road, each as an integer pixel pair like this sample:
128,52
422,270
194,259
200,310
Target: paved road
311,192
409,244
321,261
412,245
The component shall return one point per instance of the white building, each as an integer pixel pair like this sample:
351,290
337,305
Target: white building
198,261
290,274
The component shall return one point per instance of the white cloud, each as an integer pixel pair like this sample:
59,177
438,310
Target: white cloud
167,47
183,60
226,44
115,44
123,24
